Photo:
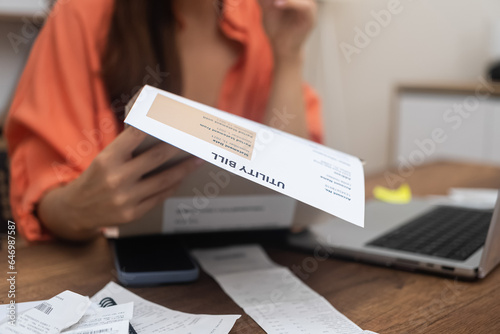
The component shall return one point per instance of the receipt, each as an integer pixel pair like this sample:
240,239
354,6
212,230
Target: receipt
120,327
151,318
217,262
307,316
95,320
19,307
50,317
97,316
271,294
265,286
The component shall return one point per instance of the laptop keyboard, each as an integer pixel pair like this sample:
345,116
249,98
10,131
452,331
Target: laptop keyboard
445,232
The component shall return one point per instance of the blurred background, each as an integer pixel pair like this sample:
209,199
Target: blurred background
427,43
388,73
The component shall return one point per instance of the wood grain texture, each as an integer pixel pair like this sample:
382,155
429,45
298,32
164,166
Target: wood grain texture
376,298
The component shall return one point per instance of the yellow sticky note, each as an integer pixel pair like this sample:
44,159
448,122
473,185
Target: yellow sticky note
402,195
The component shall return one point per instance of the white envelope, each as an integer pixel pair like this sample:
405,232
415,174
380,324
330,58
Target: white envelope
251,164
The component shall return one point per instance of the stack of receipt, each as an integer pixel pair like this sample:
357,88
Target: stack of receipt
71,313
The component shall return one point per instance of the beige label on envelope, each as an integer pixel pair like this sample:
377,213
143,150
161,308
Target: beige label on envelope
202,125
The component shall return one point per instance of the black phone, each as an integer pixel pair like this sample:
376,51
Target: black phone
152,260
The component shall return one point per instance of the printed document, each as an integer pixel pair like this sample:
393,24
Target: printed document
271,294
309,172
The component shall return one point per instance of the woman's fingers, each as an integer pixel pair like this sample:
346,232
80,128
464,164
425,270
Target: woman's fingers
294,4
299,5
166,179
304,8
149,160
122,147
162,186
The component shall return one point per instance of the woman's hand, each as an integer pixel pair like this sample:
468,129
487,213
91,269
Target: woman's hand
112,191
287,24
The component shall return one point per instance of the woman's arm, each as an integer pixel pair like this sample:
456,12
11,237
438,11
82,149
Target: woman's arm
286,109
287,24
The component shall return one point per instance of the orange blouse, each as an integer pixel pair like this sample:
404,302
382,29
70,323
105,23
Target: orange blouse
61,118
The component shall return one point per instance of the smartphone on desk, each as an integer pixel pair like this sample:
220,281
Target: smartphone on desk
153,260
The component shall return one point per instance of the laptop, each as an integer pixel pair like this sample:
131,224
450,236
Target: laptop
449,240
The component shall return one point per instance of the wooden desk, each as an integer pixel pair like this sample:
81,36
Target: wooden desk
376,298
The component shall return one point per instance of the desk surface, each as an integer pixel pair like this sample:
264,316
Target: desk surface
376,298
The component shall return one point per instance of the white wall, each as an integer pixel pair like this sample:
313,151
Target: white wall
11,62
444,125
17,33
427,41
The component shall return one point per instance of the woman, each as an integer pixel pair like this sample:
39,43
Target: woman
72,170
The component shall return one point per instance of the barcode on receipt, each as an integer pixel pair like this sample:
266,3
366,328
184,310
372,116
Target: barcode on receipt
44,307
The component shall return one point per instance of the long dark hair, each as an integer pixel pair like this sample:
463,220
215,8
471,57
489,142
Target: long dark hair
140,49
